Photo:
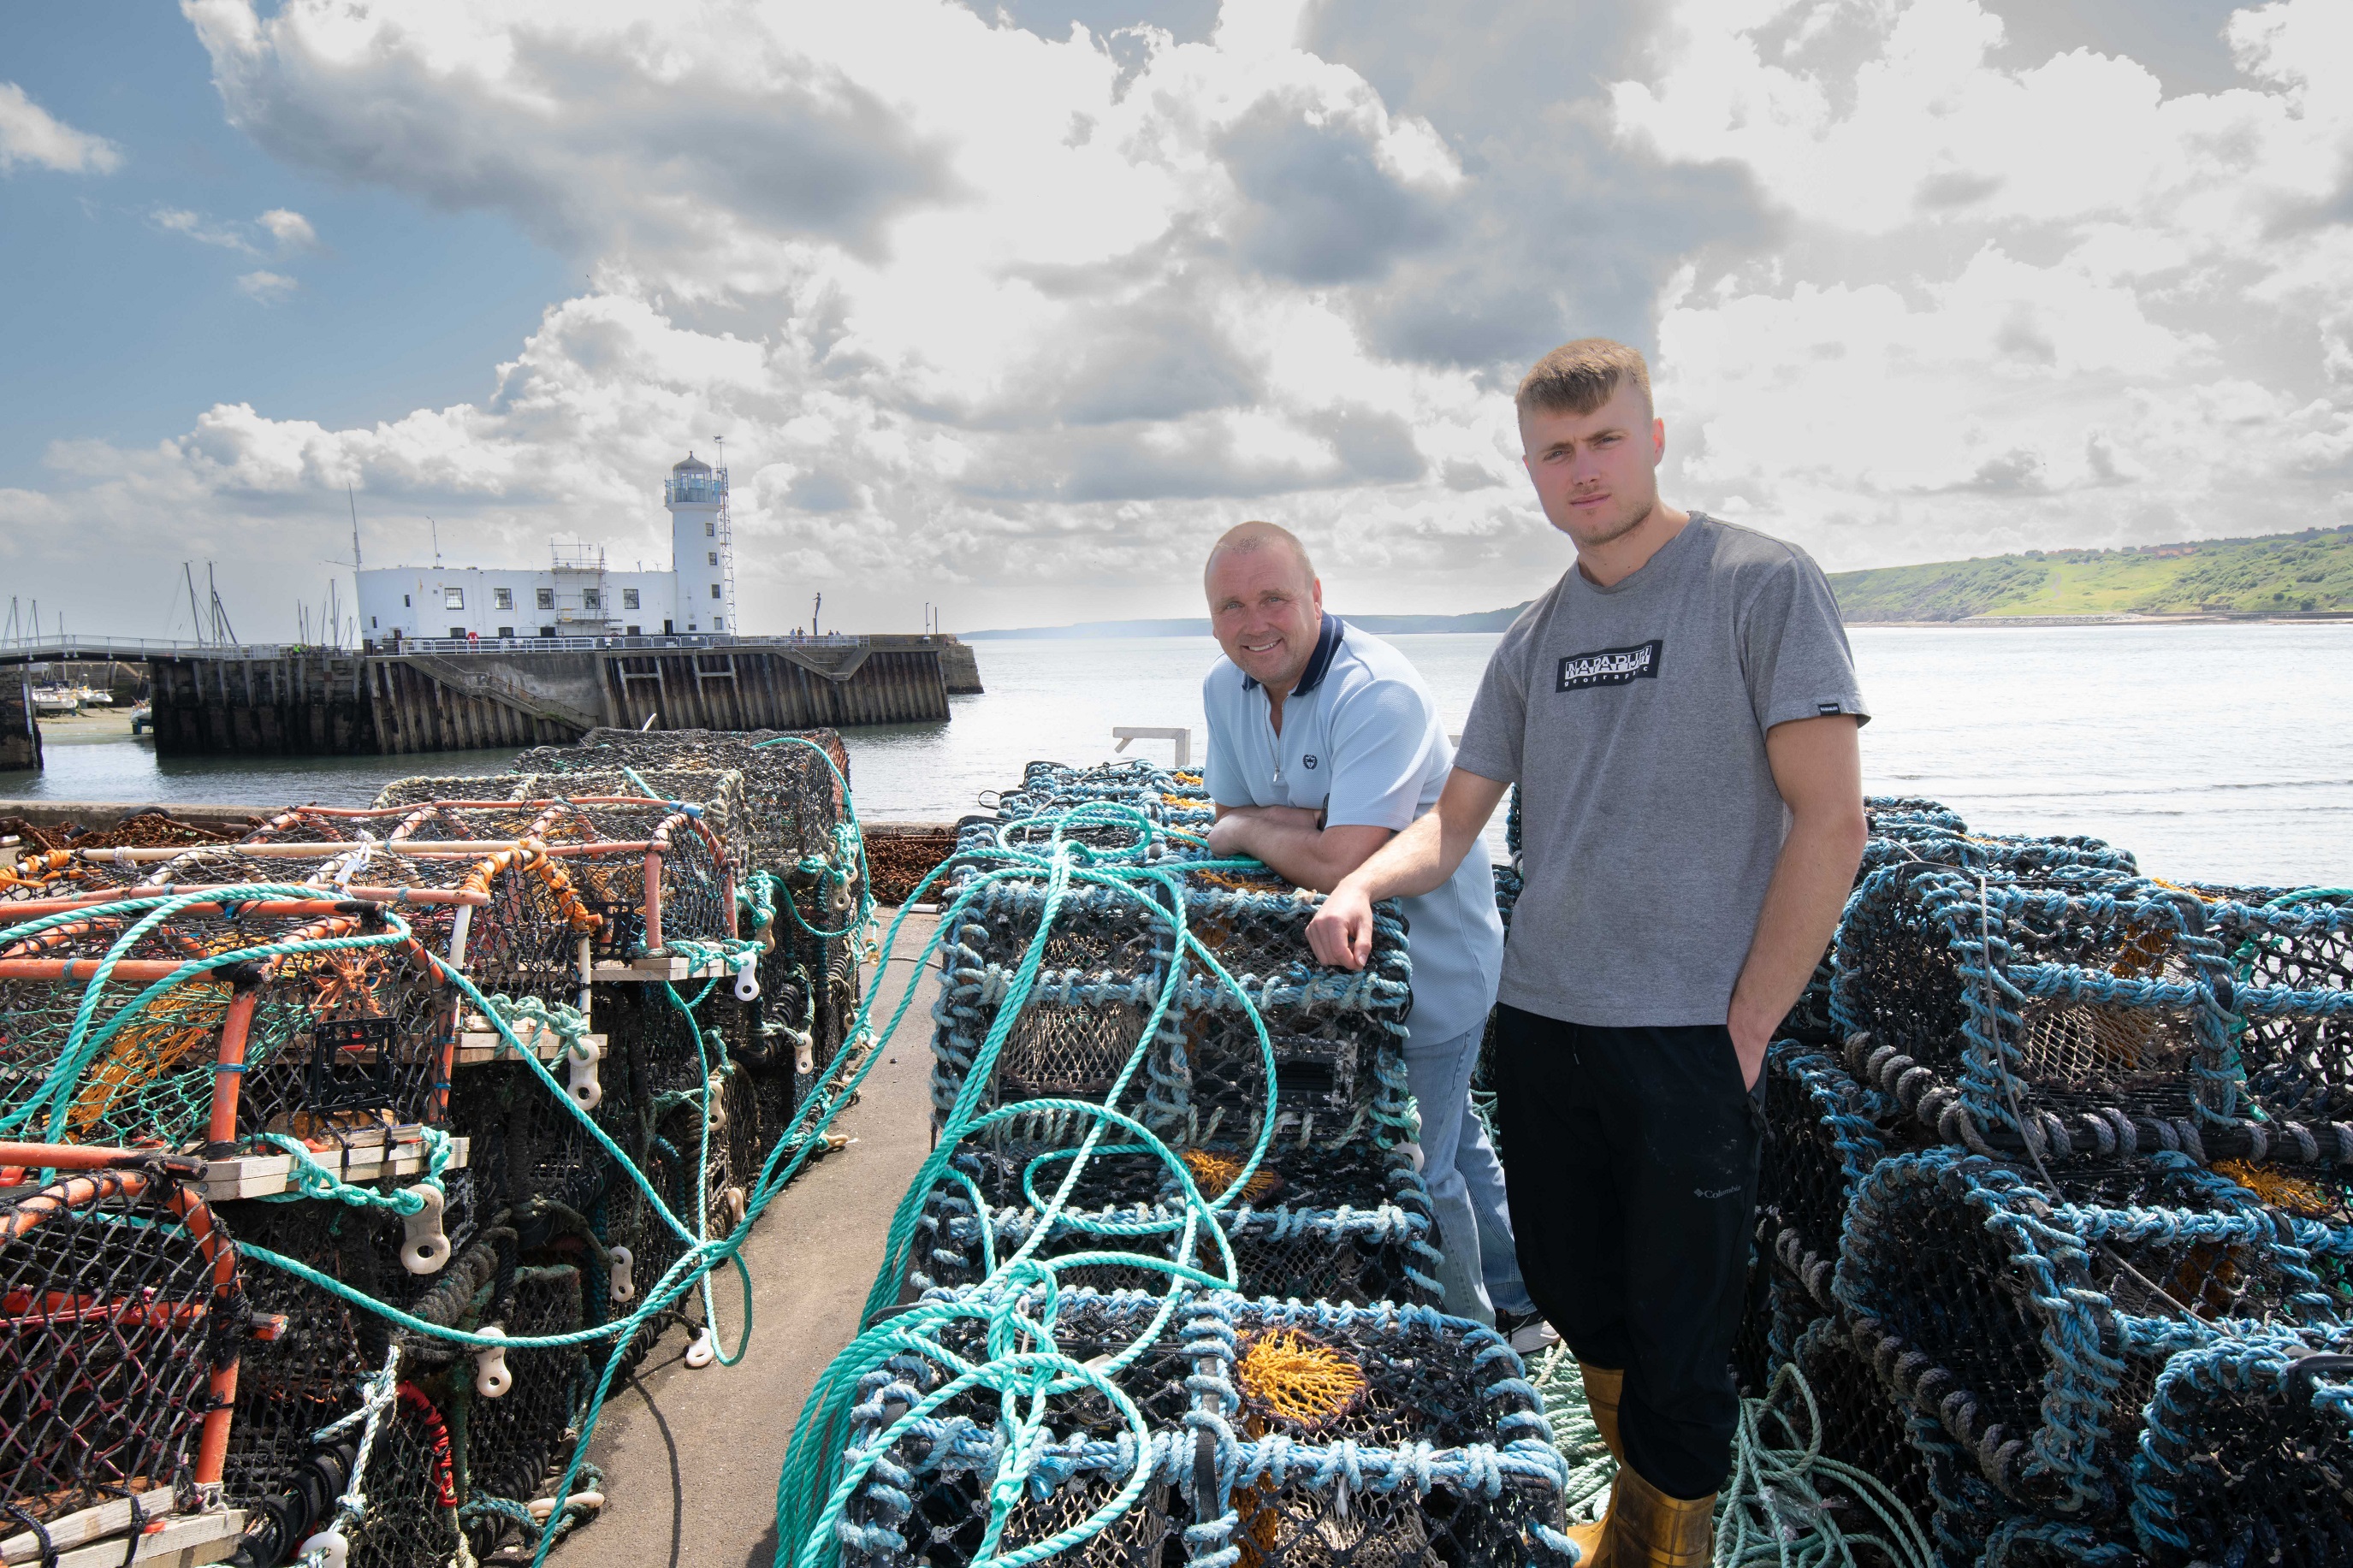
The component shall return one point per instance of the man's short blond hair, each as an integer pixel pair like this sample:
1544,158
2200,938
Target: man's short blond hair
1245,538
1579,377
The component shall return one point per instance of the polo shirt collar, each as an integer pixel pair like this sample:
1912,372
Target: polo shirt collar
1319,663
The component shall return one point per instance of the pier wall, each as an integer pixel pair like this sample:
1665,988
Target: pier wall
399,704
20,736
958,667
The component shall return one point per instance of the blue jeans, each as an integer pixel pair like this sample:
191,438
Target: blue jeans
1481,1276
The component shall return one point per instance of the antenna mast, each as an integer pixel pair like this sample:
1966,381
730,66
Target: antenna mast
195,616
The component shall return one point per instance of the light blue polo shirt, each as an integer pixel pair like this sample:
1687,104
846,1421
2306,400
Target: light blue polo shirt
1361,740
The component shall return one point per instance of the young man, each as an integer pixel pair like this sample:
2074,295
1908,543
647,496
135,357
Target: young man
1679,713
1323,742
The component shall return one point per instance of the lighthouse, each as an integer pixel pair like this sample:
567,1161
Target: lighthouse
702,551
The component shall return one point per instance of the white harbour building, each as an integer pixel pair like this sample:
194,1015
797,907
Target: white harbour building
578,594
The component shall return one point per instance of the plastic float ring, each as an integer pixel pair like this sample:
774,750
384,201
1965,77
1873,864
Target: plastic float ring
703,1349
736,1205
333,1547
424,1249
747,977
804,1054
492,1377
715,1093
1411,1151
619,1261
838,898
586,1091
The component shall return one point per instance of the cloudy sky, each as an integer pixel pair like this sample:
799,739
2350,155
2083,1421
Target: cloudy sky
1013,308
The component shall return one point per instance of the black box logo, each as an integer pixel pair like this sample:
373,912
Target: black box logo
1610,665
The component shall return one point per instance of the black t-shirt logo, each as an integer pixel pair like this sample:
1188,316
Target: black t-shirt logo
1309,759
1610,665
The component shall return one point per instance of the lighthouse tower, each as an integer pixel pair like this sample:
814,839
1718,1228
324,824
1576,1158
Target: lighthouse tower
702,551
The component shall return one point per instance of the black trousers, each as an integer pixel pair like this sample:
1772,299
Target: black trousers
1630,1157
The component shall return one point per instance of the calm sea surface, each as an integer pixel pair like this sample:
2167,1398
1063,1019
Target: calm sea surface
2218,752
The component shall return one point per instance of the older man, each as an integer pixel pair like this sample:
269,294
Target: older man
1323,743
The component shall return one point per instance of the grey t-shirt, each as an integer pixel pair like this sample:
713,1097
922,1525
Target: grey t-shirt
1633,718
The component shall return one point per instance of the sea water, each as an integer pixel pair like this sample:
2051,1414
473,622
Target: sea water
2214,752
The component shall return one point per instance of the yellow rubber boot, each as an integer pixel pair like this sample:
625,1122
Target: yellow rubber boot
1602,1387
1648,1529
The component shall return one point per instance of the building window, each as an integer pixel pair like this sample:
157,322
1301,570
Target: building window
719,622
710,528
591,599
714,556
502,598
714,590
458,631
547,631
547,598
632,631
453,598
404,601
371,622
629,598
506,631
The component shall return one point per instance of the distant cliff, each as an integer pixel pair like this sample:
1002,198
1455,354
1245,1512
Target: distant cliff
2270,574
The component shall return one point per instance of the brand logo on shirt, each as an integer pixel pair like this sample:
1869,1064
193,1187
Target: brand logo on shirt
1308,760
1610,665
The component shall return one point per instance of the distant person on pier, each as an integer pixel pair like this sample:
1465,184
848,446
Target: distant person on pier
1324,742
1679,712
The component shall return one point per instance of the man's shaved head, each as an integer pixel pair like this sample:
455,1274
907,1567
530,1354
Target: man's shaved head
1248,538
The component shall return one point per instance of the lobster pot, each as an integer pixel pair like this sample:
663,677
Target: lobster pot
1925,843
2035,1326
1337,1036
792,800
120,1324
2291,962
512,1442
412,1488
525,1144
317,1045
2248,1443
311,1372
1823,1136
1351,1224
1857,1422
900,859
1909,815
672,1076
592,856
1421,1403
2066,1015
1169,800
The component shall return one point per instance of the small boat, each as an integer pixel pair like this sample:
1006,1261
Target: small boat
56,702
142,718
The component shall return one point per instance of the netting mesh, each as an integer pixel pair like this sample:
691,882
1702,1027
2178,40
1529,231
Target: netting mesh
337,1040
1334,1435
2249,1454
2066,1013
2035,1325
412,1516
1337,1038
512,1441
1347,1225
2292,967
116,1304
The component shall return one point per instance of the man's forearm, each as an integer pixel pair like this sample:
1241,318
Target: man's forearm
1811,884
1298,849
1412,863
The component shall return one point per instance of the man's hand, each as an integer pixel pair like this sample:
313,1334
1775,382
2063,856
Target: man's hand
1342,932
1751,1034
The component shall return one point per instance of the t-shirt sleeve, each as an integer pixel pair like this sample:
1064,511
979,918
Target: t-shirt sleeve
1221,772
1794,650
1491,736
1380,740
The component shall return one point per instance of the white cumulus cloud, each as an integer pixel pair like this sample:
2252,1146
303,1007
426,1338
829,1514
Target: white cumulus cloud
291,230
31,134
266,287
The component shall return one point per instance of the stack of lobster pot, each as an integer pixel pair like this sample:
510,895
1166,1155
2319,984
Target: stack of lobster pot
2057,1213
262,1090
1319,1408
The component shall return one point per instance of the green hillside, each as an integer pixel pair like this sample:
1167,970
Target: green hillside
2275,574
